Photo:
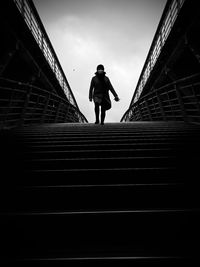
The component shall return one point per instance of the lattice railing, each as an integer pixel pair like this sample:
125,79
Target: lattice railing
22,103
179,100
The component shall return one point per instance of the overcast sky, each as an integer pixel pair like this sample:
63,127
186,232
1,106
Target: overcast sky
115,33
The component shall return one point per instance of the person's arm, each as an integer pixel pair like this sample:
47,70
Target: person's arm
113,90
91,89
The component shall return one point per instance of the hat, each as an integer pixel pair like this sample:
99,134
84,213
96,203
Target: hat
100,67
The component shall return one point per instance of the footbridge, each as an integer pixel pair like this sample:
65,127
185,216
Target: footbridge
122,193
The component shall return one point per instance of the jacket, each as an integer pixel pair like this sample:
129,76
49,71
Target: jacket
100,87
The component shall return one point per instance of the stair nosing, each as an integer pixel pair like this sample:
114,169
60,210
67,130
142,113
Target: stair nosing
102,212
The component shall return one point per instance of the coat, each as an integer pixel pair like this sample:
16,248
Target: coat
99,91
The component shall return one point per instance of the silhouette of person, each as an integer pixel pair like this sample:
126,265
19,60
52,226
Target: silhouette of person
99,92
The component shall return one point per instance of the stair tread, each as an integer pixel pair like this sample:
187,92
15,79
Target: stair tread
137,207
102,169
102,212
103,158
121,185
101,150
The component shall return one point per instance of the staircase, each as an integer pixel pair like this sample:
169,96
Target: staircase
92,195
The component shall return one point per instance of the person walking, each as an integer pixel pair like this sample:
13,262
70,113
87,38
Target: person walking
99,92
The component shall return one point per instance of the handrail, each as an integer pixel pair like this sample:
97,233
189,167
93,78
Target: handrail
179,100
23,103
32,19
166,23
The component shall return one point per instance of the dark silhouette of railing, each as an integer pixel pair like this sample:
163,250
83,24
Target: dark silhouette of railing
178,100
37,29
167,21
22,104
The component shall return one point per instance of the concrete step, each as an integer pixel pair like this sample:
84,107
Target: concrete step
100,153
91,127
104,162
99,176
110,261
103,146
78,197
70,227
90,195
106,138
100,197
89,136
71,231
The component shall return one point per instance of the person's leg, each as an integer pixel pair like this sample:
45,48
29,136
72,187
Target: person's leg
103,114
96,109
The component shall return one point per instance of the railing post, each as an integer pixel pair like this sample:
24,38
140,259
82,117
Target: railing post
140,112
170,104
26,103
130,114
181,103
37,103
45,108
57,111
148,109
196,99
8,108
160,105
66,113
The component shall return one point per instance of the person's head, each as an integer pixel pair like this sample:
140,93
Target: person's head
100,69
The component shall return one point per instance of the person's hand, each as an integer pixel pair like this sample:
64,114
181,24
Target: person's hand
116,98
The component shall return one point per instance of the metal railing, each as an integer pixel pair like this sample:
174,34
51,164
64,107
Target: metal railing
23,104
167,21
179,101
36,27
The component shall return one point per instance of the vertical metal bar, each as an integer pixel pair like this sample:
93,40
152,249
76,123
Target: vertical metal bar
196,99
57,112
172,111
154,106
8,108
45,108
26,103
140,112
161,105
181,103
148,110
37,105
131,115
